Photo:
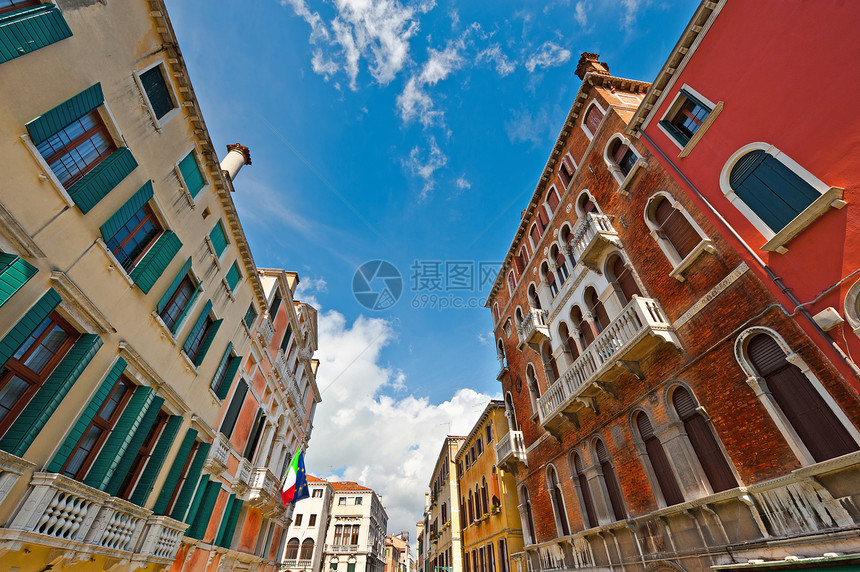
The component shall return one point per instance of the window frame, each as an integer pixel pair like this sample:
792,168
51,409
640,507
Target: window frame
211,318
830,197
686,93
100,126
582,125
143,456
149,215
192,304
165,75
613,167
679,265
182,183
568,158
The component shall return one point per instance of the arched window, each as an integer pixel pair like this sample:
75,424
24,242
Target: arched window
585,205
620,157
591,119
552,199
542,219
658,460
852,307
673,227
529,523
496,315
480,509
821,432
568,341
566,170
622,279
549,278
586,336
512,282
524,256
471,508
595,306
610,480
518,317
535,234
292,549
485,496
307,549
520,262
704,444
558,256
557,499
549,366
534,390
462,513
510,412
586,502
534,299
566,238
500,353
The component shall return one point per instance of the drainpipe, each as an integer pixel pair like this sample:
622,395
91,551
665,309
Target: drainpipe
776,279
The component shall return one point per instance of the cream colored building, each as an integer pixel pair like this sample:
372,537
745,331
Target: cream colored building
445,552
355,539
128,302
307,532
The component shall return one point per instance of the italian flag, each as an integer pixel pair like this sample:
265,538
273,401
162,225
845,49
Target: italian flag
295,487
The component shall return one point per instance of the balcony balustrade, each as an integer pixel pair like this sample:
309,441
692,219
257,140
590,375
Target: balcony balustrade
66,514
219,454
343,548
266,330
533,330
300,564
635,332
511,451
592,235
503,366
264,492
242,479
281,368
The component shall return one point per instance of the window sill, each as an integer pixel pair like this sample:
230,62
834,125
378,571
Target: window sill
830,198
166,331
705,245
211,248
215,399
188,362
700,132
228,289
184,190
114,263
640,164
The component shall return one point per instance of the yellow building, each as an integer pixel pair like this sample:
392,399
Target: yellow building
128,301
444,552
489,519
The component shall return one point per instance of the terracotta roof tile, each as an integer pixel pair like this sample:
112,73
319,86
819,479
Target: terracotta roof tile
347,486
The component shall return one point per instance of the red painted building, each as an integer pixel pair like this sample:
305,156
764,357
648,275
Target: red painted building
733,117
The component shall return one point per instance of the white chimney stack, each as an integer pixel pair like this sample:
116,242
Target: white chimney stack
237,156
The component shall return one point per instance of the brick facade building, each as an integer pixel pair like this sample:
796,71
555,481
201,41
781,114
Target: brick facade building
628,331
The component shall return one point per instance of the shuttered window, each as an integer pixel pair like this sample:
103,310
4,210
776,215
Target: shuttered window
675,228
131,240
155,87
201,336
28,26
552,199
139,450
580,323
593,118
566,171
624,280
233,276
254,435
191,175
190,490
616,498
530,522
558,502
601,318
543,218
588,515
219,238
77,148
204,510
659,461
687,119
225,373
250,316
229,421
177,474
228,525
156,460
535,233
824,436
154,261
14,273
704,444
773,191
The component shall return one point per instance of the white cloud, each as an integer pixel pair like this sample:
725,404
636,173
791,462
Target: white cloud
536,127
440,64
548,55
494,55
463,184
424,164
318,29
580,14
307,290
629,13
414,101
362,434
323,66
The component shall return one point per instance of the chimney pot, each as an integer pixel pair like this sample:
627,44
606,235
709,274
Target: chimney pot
590,63
237,156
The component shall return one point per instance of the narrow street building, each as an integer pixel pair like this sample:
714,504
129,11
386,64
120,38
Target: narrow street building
307,531
355,540
639,352
489,520
444,549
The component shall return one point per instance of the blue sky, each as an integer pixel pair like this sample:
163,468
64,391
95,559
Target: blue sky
402,131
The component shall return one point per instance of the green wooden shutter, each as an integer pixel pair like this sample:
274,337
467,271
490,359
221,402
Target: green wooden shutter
225,521
201,320
250,315
14,273
177,280
26,30
126,211
156,460
232,368
86,417
206,342
115,446
175,472
145,422
223,363
191,174
218,238
191,511
233,276
153,263
232,520
97,183
186,308
203,513
190,484
679,135
228,423
28,324
50,122
34,417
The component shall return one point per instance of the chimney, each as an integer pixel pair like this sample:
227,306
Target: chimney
237,156
589,63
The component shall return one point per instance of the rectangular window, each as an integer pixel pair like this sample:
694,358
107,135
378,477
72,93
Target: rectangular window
76,148
233,276
30,366
219,238
354,539
341,500
157,92
229,421
489,432
178,304
312,520
134,237
196,342
254,436
503,556
358,500
317,494
285,342
480,444
192,177
298,520
276,303
250,316
686,120
225,373
99,429
142,457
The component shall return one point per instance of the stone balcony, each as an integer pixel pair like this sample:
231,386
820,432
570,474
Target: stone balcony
281,368
329,548
511,451
592,236
634,333
264,492
266,330
296,396
242,478
533,330
219,454
77,519
300,564
503,366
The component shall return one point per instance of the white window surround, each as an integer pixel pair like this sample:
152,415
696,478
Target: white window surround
48,173
623,181
851,301
639,446
183,187
574,477
776,240
672,109
214,317
679,265
194,303
568,158
558,511
165,75
759,387
594,103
